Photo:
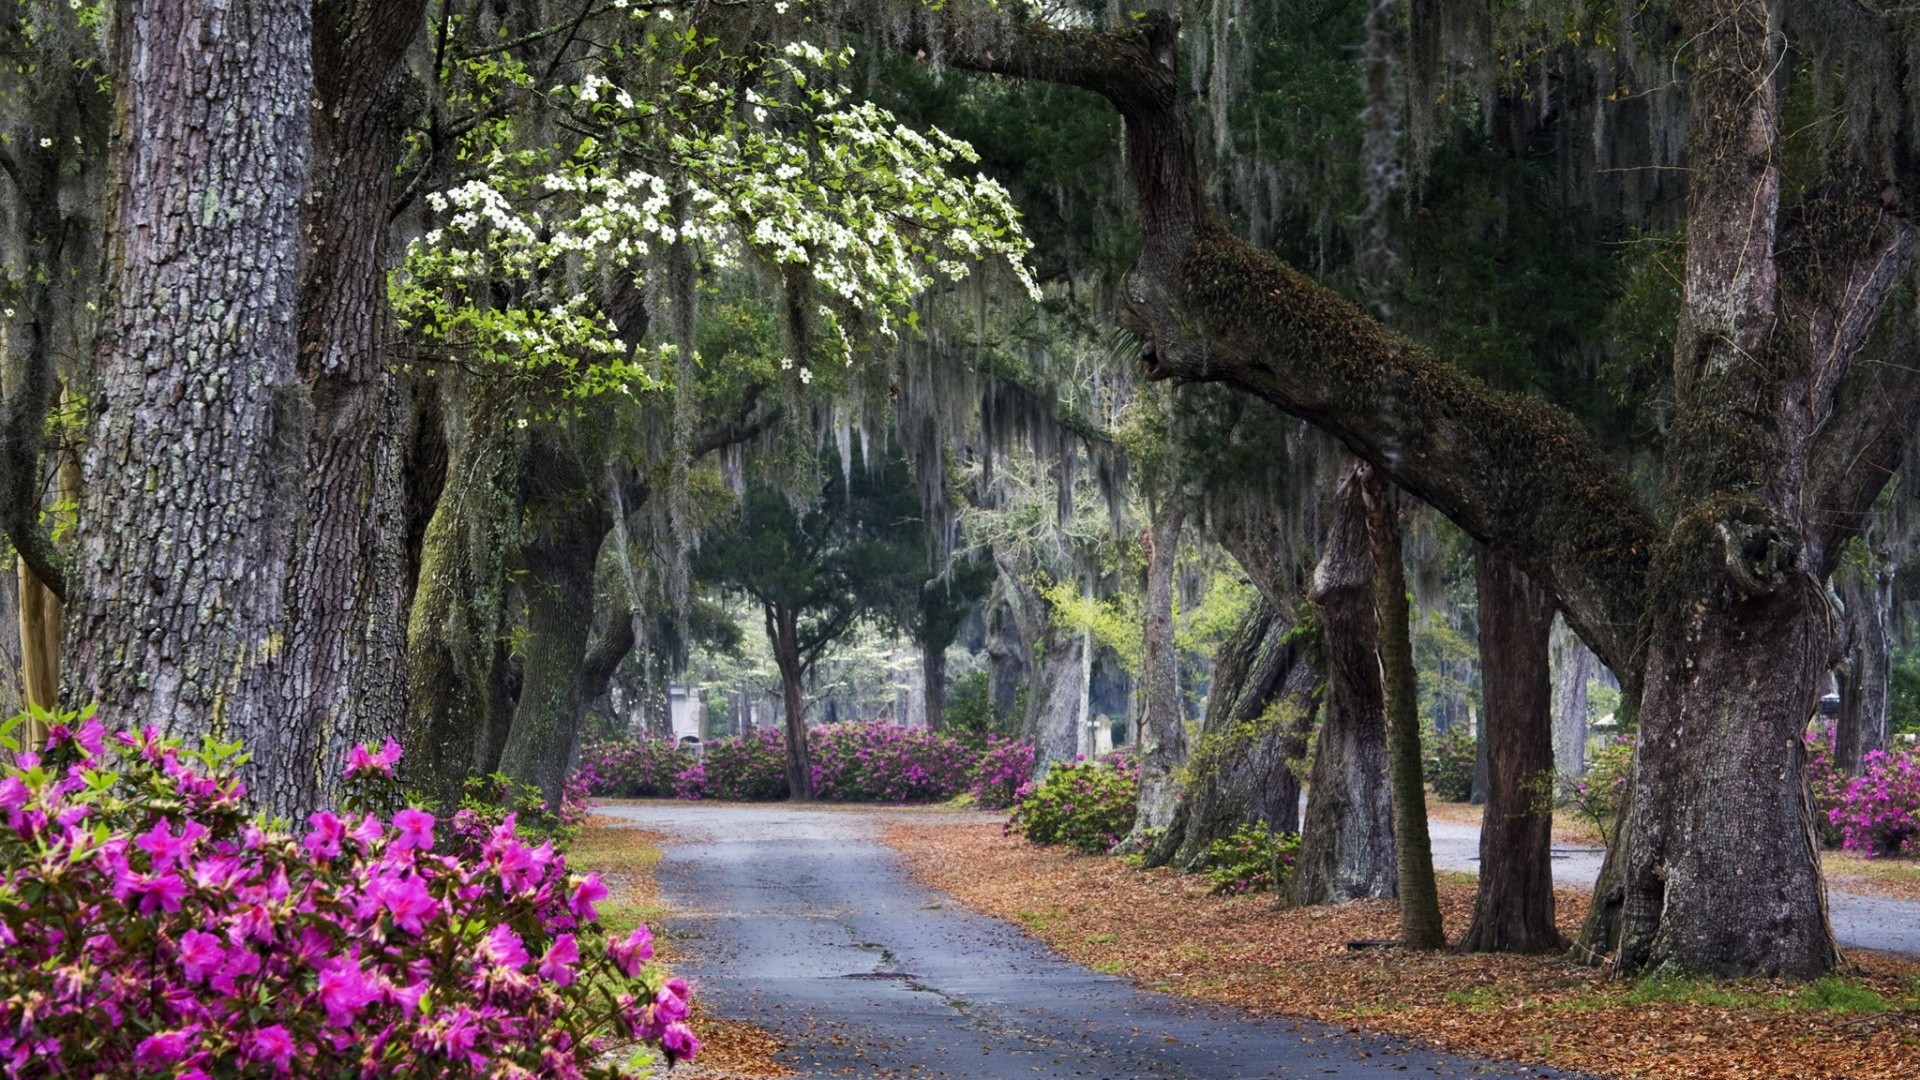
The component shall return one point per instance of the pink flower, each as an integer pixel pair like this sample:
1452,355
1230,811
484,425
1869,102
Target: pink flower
323,842
632,952
13,793
360,760
669,1006
406,898
416,830
586,891
270,1044
345,990
502,946
679,1042
557,965
200,955
165,1048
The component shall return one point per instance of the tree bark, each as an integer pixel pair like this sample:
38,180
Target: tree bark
1054,698
1420,926
1574,666
199,423
1866,597
1513,906
1245,770
1163,734
1347,844
933,672
783,631
347,585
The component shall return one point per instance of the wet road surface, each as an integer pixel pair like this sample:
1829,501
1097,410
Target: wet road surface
801,921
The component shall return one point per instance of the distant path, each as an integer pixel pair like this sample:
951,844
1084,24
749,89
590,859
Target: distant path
1860,922
802,922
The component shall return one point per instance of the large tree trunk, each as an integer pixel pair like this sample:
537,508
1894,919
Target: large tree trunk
1420,926
455,695
1347,844
1513,907
1245,768
198,435
347,580
933,672
1866,597
1574,666
567,518
784,633
1163,734
1055,697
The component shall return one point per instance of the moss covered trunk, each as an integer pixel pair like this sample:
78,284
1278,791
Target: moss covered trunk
1163,728
1245,768
1346,845
1513,906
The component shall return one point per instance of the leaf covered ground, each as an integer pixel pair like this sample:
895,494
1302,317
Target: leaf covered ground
1161,929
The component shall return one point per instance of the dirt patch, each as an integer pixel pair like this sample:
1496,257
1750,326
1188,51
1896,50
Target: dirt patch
626,858
1568,828
1160,929
1895,879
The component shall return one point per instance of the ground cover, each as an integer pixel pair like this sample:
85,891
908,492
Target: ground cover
626,859
1162,930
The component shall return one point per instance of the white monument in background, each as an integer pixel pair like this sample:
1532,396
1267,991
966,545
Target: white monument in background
687,712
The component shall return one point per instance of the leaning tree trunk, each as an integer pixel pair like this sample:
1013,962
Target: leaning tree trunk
347,578
1245,768
1163,734
1513,906
1866,598
1420,926
1574,666
783,632
199,419
1347,844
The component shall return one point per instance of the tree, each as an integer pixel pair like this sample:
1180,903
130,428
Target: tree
939,605
198,412
1163,724
1770,467
817,569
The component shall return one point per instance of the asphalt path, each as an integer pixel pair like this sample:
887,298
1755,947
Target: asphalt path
1859,922
800,920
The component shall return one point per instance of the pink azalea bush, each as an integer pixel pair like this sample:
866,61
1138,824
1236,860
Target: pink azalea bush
1003,765
752,767
887,763
635,768
1879,812
1087,805
150,925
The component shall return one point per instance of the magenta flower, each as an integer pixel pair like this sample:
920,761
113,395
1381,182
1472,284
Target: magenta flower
557,965
416,830
270,1045
633,951
165,1048
586,891
323,841
679,1042
200,955
502,946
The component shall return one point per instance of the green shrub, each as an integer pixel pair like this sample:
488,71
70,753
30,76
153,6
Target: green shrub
1087,805
1449,764
1252,859
1595,797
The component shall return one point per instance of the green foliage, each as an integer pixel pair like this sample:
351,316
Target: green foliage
1116,622
1903,706
1086,805
971,716
494,796
1595,796
1253,858
1449,764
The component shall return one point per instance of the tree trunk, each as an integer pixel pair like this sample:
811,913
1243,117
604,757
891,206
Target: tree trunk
40,612
1347,845
1420,926
1163,734
567,519
199,425
784,633
1866,598
1245,770
933,670
1054,698
1513,907
1574,666
454,694
347,585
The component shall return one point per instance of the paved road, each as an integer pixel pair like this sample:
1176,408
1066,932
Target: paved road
803,922
1860,922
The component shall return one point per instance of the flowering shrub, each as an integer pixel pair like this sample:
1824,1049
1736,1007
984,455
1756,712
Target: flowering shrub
636,768
1595,796
1449,764
887,763
1253,858
149,924
751,767
1879,814
493,797
1002,767
1829,787
1087,805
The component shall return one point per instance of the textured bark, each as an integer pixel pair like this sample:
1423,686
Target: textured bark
454,694
933,672
1245,768
1056,697
1866,598
1574,666
1163,731
1513,906
30,382
347,581
783,633
198,430
1347,844
1420,925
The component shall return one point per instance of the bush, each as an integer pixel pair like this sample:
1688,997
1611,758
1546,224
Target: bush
1829,787
752,767
1595,796
635,768
1879,814
1087,805
151,925
887,763
1002,767
1449,764
1253,858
